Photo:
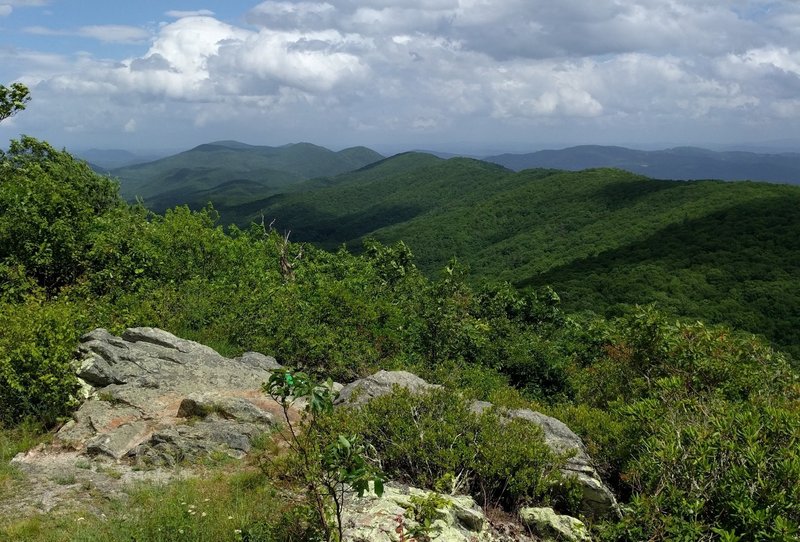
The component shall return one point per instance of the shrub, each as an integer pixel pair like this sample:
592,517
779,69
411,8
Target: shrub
48,204
37,342
434,441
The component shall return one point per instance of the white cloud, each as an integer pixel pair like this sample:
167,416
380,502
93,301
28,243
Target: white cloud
130,126
109,33
5,10
178,14
431,66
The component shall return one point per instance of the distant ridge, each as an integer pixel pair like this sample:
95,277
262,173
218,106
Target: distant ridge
233,172
681,163
105,159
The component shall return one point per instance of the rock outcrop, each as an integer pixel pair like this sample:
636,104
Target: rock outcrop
160,399
552,527
152,400
384,519
597,499
157,400
381,383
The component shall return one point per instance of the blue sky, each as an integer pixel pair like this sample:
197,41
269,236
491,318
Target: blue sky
458,75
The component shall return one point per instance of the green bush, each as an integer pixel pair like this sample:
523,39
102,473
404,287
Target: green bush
48,205
700,430
434,441
37,343
709,465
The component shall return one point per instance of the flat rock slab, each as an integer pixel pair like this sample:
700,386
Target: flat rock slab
154,400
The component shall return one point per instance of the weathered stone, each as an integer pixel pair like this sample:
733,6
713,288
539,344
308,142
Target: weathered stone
149,381
597,499
553,527
235,408
259,361
98,372
118,442
376,519
381,383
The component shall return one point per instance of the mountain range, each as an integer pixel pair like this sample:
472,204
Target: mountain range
230,172
603,238
682,163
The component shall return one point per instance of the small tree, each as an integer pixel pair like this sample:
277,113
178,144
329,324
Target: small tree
330,471
13,99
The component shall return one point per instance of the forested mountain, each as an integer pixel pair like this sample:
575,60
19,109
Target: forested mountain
679,163
723,252
230,172
115,158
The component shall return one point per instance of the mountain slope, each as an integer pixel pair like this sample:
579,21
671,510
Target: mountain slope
702,249
396,190
679,163
188,177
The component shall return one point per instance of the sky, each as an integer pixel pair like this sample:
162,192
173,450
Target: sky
449,75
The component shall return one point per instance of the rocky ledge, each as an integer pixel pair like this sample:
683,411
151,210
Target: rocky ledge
155,400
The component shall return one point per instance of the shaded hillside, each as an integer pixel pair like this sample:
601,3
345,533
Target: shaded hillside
396,190
678,163
580,231
737,265
218,172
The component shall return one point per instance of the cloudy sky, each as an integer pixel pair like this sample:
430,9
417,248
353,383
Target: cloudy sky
463,75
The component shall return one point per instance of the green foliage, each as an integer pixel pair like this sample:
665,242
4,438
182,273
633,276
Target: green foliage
717,465
328,471
48,206
603,238
424,511
37,376
701,430
13,99
434,441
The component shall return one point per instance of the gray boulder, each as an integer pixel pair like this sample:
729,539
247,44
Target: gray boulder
381,383
162,399
552,527
597,499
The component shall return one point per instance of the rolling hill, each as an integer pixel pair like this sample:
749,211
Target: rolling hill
681,163
722,252
230,172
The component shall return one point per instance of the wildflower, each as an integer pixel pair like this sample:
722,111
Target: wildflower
230,517
203,515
